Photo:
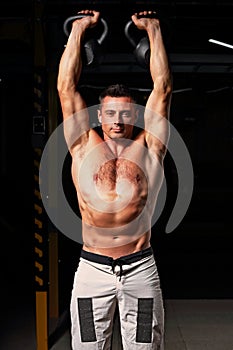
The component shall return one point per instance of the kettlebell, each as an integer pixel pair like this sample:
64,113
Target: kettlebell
141,49
92,53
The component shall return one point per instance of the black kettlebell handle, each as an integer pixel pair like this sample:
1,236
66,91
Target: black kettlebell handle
141,48
73,18
131,40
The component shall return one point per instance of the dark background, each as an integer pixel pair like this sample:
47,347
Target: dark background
195,260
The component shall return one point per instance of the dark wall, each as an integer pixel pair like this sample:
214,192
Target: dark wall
16,177
196,258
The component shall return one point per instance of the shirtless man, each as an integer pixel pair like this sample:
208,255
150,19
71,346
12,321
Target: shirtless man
117,179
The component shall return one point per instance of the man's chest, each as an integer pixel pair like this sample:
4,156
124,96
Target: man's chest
105,167
117,169
110,182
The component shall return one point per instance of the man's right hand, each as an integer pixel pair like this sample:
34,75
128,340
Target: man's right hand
88,21
144,19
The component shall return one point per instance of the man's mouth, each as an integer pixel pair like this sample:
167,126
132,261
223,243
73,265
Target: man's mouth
117,129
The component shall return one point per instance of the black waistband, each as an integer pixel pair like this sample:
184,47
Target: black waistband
126,259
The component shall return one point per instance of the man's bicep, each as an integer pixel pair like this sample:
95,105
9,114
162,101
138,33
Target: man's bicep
156,132
71,103
159,102
75,121
156,146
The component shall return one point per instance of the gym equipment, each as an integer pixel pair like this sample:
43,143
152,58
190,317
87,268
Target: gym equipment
141,49
92,54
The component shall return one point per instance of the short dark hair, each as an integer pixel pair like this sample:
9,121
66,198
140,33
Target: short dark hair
117,90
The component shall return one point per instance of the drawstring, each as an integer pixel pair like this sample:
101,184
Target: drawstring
118,262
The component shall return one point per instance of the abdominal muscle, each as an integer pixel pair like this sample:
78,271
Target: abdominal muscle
114,234
120,247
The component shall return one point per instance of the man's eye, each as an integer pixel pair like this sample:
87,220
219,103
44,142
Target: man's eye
126,114
109,114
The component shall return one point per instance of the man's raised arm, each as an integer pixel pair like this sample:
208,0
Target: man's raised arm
158,104
71,65
75,115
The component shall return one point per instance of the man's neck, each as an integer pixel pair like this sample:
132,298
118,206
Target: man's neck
117,146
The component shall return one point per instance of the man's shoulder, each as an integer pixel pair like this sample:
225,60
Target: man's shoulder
98,130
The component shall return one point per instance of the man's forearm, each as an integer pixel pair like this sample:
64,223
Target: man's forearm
71,63
159,65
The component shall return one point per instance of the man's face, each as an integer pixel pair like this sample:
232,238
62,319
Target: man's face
117,116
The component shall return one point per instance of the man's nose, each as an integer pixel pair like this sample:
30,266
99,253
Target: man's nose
118,118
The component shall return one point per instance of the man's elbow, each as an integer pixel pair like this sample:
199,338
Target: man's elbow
65,90
166,88
163,87
65,86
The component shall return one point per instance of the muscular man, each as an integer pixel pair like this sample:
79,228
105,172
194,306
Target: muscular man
117,178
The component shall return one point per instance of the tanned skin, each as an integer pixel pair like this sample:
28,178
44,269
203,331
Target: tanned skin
114,177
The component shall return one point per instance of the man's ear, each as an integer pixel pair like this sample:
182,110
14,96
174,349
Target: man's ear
99,116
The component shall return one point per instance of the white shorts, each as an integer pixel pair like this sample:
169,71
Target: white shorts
131,283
